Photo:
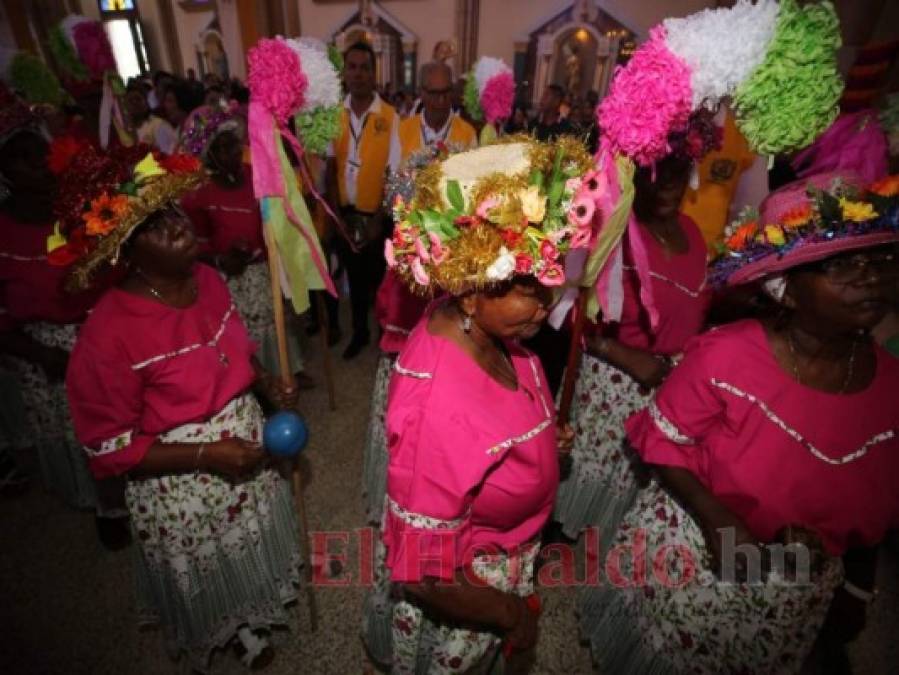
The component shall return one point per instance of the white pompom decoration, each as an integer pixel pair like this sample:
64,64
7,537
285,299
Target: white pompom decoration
323,90
722,46
68,26
488,67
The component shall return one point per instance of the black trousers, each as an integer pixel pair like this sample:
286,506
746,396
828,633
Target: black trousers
365,269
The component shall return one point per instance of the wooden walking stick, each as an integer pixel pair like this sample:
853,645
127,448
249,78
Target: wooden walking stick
324,330
574,358
287,377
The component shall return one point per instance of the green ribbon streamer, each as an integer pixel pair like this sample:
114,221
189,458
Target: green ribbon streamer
610,235
296,256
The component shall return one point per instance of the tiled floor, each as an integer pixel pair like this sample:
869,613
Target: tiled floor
66,604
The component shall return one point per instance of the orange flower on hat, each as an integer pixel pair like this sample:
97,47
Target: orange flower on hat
743,234
886,187
105,214
796,217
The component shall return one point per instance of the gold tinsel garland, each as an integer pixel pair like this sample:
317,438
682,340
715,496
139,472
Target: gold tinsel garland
151,198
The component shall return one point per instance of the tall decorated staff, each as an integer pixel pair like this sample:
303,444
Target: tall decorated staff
776,62
291,79
84,56
489,95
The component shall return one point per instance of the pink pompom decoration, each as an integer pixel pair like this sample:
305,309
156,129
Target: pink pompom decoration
276,79
93,48
498,96
649,98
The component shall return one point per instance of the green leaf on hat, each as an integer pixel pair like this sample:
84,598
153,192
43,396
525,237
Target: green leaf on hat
454,194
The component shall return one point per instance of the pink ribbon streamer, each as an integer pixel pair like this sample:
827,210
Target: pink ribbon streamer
268,180
641,262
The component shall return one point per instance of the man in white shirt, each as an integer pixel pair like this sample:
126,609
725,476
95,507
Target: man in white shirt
359,159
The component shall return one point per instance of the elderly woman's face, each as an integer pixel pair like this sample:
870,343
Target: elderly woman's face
226,152
850,291
23,162
166,244
516,314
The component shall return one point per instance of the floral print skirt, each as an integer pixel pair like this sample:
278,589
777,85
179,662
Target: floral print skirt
252,295
214,554
374,457
676,616
48,425
424,647
603,480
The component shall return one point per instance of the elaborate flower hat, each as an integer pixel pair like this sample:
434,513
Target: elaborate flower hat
480,217
806,221
204,125
33,80
489,90
318,120
103,197
289,78
777,62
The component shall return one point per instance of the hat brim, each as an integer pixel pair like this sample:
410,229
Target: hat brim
776,263
161,192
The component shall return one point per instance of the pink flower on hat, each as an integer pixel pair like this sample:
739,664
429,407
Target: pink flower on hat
418,272
421,251
548,250
389,253
439,252
552,274
582,209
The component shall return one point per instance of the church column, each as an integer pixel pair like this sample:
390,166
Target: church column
229,24
467,21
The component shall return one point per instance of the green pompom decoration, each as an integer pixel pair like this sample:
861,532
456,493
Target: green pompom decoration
65,55
318,128
472,98
37,84
793,95
336,58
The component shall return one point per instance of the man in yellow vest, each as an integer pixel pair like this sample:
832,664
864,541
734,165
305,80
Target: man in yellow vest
436,123
368,146
729,179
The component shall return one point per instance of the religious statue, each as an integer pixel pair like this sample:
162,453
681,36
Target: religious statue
444,50
573,68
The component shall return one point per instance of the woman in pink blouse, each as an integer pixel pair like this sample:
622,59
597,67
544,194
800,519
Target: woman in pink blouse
774,431
397,311
625,360
38,319
161,385
472,439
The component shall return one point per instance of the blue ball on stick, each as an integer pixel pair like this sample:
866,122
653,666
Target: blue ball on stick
285,434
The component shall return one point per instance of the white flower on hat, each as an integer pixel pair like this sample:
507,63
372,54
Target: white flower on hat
503,267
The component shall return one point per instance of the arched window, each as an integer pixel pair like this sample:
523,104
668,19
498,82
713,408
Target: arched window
121,20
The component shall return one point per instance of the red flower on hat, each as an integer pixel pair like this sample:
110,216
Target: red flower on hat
62,151
179,163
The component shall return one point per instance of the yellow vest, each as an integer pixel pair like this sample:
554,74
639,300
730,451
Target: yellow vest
460,133
374,151
719,174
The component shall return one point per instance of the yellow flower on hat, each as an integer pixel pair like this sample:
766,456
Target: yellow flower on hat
774,234
533,204
857,212
147,168
55,240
